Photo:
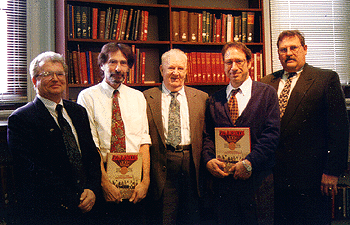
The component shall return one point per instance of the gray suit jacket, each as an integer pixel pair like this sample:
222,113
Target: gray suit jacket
196,105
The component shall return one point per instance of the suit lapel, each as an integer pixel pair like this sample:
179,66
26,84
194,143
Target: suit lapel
155,105
298,93
191,101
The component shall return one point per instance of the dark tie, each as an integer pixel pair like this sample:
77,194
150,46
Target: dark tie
283,99
233,105
118,130
174,123
73,152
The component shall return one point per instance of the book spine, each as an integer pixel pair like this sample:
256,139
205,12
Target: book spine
120,19
102,25
94,22
77,21
145,28
183,26
204,70
108,22
194,67
200,29
143,67
250,27
70,21
244,26
114,24
129,21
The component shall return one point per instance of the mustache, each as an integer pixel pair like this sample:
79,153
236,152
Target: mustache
289,58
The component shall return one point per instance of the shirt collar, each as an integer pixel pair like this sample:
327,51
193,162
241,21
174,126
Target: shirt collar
108,89
245,87
286,74
50,105
167,92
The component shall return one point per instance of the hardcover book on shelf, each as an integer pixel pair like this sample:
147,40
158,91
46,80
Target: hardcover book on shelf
183,26
232,144
77,21
145,27
244,26
250,27
94,22
124,170
108,22
193,29
102,24
128,27
114,25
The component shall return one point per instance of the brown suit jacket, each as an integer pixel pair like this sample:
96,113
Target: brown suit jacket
196,105
314,130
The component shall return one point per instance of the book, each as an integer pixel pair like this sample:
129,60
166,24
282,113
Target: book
199,27
137,25
83,68
102,24
223,27
183,35
143,66
94,22
232,144
129,22
123,25
193,29
108,22
120,19
208,66
229,32
84,22
76,67
70,21
204,26
244,26
199,67
77,21
250,27
114,24
237,28
124,170
145,27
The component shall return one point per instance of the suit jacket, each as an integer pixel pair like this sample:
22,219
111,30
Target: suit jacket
42,169
196,105
261,115
314,130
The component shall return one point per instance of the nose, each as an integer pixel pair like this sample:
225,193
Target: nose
118,67
234,66
54,76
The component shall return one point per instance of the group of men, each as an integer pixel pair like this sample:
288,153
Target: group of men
298,130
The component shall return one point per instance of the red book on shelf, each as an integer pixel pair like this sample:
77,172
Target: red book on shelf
208,67
199,67
76,56
94,22
213,67
200,27
194,67
204,69
143,67
91,68
145,27
96,69
120,20
223,28
142,21
123,25
218,67
83,68
189,68
218,31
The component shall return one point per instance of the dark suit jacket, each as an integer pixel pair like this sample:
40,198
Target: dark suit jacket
196,105
314,130
261,115
42,169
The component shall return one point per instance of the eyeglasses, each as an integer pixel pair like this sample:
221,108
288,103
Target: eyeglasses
239,62
294,49
59,74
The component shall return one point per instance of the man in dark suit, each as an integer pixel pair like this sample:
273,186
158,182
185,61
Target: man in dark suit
313,147
257,108
58,178
175,167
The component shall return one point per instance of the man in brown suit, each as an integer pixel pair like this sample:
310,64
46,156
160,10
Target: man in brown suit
175,167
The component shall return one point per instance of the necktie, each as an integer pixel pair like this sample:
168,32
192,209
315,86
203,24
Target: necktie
233,105
174,123
73,152
118,130
283,99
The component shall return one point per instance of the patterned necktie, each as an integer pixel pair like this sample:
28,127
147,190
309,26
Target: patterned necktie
283,99
233,105
118,131
73,151
174,123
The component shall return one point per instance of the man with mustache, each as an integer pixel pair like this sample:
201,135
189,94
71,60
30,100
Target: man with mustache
313,147
115,60
175,166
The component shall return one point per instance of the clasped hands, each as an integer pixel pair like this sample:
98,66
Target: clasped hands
217,167
112,193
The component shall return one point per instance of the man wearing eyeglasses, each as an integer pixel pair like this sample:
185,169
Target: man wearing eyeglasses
313,147
257,108
56,163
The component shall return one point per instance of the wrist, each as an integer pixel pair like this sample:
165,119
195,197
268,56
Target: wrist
247,165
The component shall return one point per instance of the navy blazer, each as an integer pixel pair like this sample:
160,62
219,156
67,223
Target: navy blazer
261,115
314,130
42,169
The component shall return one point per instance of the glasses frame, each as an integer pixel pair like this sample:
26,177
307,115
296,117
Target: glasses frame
294,49
238,62
51,74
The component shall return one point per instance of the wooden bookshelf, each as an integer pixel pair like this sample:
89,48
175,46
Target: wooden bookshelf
159,35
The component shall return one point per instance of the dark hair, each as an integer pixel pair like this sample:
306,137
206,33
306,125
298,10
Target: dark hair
291,33
114,47
238,45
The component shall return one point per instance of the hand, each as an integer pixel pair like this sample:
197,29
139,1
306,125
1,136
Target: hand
140,193
87,200
111,192
215,167
240,172
329,185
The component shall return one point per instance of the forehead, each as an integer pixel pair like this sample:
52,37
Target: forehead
54,66
289,41
178,59
234,53
118,55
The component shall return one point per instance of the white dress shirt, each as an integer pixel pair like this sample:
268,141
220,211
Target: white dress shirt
243,95
283,80
98,101
184,115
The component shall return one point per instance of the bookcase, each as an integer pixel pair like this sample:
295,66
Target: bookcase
151,27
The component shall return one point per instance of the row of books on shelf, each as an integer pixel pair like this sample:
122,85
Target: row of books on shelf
341,203
207,27
208,67
109,23
83,68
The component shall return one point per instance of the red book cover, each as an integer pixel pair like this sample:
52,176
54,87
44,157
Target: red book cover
120,20
91,68
213,67
223,28
143,67
200,28
123,25
142,21
218,31
204,70
145,27
218,67
83,68
208,67
199,67
194,67
94,22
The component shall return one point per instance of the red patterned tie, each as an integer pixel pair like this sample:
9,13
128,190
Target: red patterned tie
233,105
118,131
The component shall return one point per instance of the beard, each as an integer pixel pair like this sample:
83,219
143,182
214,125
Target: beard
117,77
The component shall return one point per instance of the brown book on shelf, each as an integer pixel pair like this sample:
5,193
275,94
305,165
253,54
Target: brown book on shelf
70,10
213,28
83,67
70,68
199,29
193,29
76,60
96,69
223,27
143,67
250,27
145,27
183,26
94,22
244,26
114,25
129,22
123,25
194,67
208,67
124,170
199,67
208,31
108,22
237,28
102,24
120,20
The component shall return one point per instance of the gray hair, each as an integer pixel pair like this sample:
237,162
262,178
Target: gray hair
44,57
166,55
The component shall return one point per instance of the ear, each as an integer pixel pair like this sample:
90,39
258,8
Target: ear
161,70
249,64
34,81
